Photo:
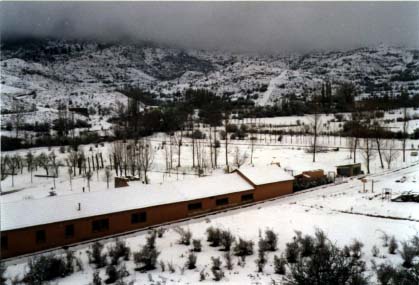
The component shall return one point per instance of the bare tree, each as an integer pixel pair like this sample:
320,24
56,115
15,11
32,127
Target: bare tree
316,124
17,117
118,156
226,121
239,158
55,164
378,134
252,148
108,175
71,161
43,161
30,160
88,176
70,176
147,157
13,165
368,152
405,132
391,152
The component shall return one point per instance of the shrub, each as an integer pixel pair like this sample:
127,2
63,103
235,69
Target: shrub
415,243
185,235
243,247
162,266
269,243
216,269
151,239
356,248
335,267
214,236
408,253
160,232
2,271
197,246
279,265
375,251
120,250
202,275
147,256
261,260
385,273
385,238
45,268
96,278
292,251
95,255
226,240
392,245
228,260
171,267
112,273
191,262
306,245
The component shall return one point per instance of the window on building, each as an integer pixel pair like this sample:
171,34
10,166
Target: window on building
69,231
41,236
100,225
4,242
221,202
140,217
195,206
247,197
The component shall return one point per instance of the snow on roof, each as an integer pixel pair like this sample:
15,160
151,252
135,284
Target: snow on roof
265,175
26,213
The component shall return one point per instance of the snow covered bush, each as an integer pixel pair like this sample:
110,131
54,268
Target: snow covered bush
408,253
292,251
162,266
146,258
279,265
115,274
160,232
118,251
197,246
226,240
375,251
191,262
269,243
45,268
385,238
261,260
331,261
96,278
2,270
216,269
95,255
306,245
392,245
356,248
243,247
202,275
214,236
228,260
185,235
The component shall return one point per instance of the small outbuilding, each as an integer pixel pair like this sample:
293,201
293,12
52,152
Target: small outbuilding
349,170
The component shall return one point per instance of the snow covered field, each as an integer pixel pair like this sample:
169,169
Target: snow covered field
340,210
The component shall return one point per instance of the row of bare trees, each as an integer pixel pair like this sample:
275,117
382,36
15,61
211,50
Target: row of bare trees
133,158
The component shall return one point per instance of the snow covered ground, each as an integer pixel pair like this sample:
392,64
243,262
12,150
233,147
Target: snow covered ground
343,211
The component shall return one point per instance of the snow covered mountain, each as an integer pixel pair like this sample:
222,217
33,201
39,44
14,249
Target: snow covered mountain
45,74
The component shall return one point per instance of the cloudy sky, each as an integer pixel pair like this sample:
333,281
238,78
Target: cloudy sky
237,26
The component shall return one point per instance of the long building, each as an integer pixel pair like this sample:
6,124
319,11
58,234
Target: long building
29,226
